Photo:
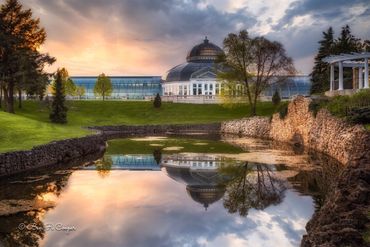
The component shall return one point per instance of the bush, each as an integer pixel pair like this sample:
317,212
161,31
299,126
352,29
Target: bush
276,98
283,110
317,104
359,115
157,101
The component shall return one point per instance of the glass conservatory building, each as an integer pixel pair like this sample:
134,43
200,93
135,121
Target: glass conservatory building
291,86
195,81
124,87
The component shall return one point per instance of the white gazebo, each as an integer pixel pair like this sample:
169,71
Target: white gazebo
359,62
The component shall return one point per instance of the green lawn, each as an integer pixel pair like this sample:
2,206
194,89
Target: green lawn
30,126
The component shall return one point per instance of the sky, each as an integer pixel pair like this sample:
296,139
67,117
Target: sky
149,37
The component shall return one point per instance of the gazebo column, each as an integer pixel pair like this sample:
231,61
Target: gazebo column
366,84
360,78
331,77
341,76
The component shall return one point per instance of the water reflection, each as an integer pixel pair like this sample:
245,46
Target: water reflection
164,200
252,186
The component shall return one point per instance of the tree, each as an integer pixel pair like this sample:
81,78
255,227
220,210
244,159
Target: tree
70,87
20,38
59,110
157,101
320,72
80,91
366,45
103,86
253,63
346,42
276,98
251,185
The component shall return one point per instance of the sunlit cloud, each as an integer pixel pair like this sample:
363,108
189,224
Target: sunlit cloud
146,37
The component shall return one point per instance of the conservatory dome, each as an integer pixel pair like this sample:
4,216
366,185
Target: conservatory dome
201,58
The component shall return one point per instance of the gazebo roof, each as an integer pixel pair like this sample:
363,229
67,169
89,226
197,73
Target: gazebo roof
348,58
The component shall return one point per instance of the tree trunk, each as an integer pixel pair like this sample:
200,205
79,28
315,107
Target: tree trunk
5,93
1,95
20,99
253,110
10,101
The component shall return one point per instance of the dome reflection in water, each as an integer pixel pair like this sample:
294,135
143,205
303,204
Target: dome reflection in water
168,198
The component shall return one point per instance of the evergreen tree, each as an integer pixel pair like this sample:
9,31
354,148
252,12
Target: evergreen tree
346,42
103,86
276,98
366,45
59,110
320,72
157,101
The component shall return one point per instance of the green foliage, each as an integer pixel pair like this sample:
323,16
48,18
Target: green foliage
345,43
21,63
58,109
282,109
157,101
359,115
276,98
317,104
70,87
355,108
32,125
320,72
244,56
80,91
103,86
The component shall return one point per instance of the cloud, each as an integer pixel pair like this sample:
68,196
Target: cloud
131,37
142,37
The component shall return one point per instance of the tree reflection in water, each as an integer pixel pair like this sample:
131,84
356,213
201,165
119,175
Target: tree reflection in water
104,166
251,186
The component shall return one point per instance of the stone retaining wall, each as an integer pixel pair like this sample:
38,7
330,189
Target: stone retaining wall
344,216
159,129
324,133
71,149
51,154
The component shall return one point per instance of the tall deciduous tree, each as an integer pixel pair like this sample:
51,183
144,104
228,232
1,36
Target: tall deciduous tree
103,86
59,110
20,36
320,72
80,91
254,63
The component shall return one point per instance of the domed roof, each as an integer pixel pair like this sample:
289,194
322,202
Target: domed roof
206,195
204,52
200,58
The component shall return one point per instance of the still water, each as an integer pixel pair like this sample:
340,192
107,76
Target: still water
169,192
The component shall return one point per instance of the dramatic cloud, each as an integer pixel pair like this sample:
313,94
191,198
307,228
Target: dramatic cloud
124,37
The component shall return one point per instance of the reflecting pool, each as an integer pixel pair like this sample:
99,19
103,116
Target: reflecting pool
169,192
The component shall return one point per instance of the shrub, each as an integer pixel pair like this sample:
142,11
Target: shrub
317,104
276,98
283,110
359,115
157,101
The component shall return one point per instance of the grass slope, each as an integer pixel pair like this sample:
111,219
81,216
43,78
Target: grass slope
30,126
